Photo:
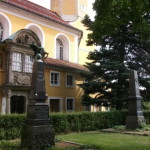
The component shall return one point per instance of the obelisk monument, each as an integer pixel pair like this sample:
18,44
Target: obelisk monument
135,115
38,133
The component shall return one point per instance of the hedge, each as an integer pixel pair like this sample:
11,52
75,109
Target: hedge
11,125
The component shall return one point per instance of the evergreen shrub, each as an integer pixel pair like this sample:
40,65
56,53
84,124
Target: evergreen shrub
11,125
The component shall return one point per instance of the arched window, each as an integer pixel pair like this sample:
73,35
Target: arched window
1,32
60,49
5,26
38,31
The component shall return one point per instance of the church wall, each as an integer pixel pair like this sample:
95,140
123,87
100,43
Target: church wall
62,91
55,6
66,9
49,35
50,31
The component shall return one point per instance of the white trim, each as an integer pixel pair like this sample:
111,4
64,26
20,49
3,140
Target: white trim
66,42
60,102
76,49
73,78
70,18
73,104
38,31
45,22
84,50
58,78
7,25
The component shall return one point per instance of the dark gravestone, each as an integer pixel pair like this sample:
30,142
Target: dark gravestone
135,115
38,133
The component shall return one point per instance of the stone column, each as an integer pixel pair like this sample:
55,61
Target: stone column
3,105
8,96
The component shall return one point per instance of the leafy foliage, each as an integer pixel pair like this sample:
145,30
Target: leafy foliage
11,125
122,31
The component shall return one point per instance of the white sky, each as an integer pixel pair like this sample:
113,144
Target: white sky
46,3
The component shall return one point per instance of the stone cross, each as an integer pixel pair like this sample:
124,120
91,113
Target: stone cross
135,115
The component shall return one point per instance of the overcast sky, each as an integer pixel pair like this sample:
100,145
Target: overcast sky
46,3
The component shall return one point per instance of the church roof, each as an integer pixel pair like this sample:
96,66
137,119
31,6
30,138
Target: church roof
65,65
38,10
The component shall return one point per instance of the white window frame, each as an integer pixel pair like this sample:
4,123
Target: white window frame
73,80
66,46
53,84
73,109
17,61
28,63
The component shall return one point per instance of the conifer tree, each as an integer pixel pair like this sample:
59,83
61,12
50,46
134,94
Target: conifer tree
121,29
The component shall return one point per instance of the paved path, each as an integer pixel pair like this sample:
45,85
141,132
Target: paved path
143,133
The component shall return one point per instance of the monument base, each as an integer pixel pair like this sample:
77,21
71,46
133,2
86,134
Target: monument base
37,137
133,122
38,133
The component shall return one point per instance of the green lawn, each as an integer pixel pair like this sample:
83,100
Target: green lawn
109,141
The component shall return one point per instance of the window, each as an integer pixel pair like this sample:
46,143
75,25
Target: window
54,78
70,103
16,62
70,80
28,63
1,32
60,49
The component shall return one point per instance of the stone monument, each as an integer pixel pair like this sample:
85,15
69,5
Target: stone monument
135,115
38,133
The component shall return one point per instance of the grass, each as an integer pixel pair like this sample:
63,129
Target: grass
109,141
15,145
94,140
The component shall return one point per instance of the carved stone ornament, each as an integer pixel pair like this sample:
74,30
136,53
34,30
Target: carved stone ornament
26,37
19,78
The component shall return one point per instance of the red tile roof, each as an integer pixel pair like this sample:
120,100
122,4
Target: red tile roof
61,64
38,10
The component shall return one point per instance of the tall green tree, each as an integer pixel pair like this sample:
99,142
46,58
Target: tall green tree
121,29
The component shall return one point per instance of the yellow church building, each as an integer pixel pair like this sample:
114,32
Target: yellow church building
60,32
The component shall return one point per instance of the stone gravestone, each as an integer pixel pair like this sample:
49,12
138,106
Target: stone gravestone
135,115
38,133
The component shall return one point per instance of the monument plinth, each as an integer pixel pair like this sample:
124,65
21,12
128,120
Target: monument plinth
38,133
135,115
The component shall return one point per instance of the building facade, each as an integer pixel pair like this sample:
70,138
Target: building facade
60,32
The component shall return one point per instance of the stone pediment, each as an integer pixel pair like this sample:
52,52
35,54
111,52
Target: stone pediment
24,37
